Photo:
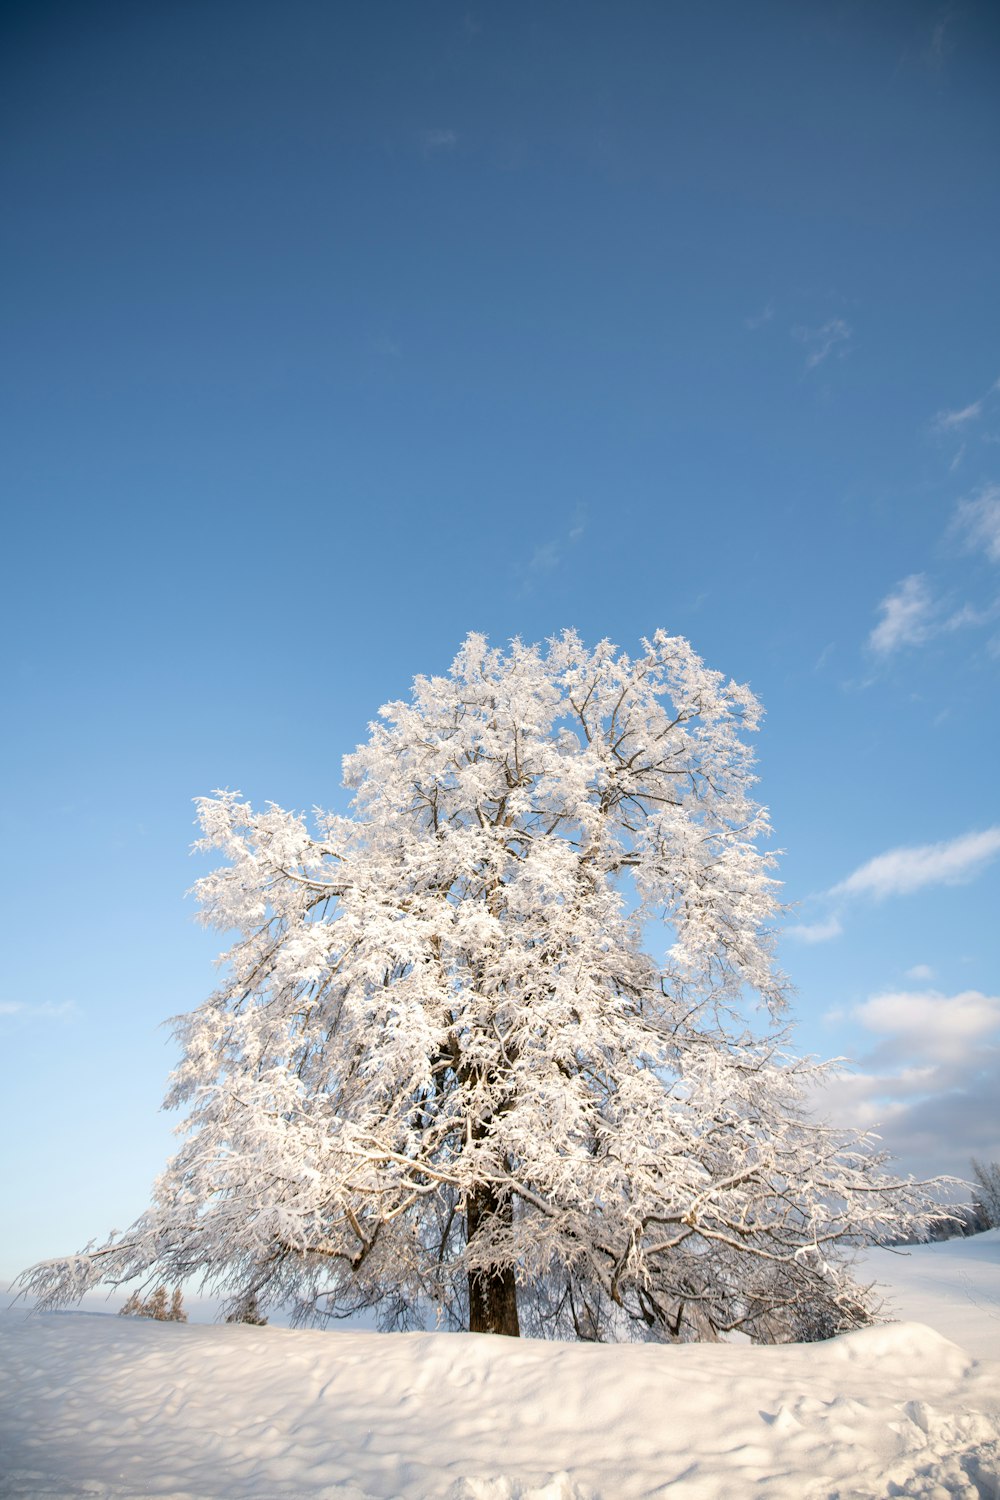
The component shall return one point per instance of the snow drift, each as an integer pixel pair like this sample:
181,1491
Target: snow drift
108,1407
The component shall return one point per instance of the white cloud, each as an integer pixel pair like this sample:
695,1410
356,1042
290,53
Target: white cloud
941,1027
834,335
912,615
907,616
930,1119
865,1100
952,421
900,871
965,425
920,971
946,420
816,932
930,1083
979,520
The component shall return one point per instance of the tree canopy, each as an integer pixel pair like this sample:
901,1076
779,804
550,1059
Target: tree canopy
504,1048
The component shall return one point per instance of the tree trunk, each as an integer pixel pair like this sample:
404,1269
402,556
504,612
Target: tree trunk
492,1291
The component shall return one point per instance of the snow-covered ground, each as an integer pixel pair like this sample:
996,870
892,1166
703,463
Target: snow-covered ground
953,1286
102,1406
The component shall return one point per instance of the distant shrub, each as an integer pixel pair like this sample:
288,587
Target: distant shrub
962,1220
986,1198
247,1311
156,1307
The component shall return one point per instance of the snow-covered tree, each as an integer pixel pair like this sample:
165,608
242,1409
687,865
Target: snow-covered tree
986,1196
445,1078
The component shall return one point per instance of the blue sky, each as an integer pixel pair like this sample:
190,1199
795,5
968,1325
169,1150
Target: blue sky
331,333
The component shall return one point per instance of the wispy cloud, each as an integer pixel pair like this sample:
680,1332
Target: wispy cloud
41,1010
816,932
940,45
386,347
545,557
912,614
920,971
899,872
946,421
932,44
965,425
438,140
549,555
978,520
950,421
833,337
907,615
757,320
970,615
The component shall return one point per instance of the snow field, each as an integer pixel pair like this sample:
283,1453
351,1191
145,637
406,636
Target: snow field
116,1409
953,1286
108,1407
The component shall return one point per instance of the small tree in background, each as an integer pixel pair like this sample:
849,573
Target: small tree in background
133,1307
986,1198
248,1312
155,1307
445,1078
